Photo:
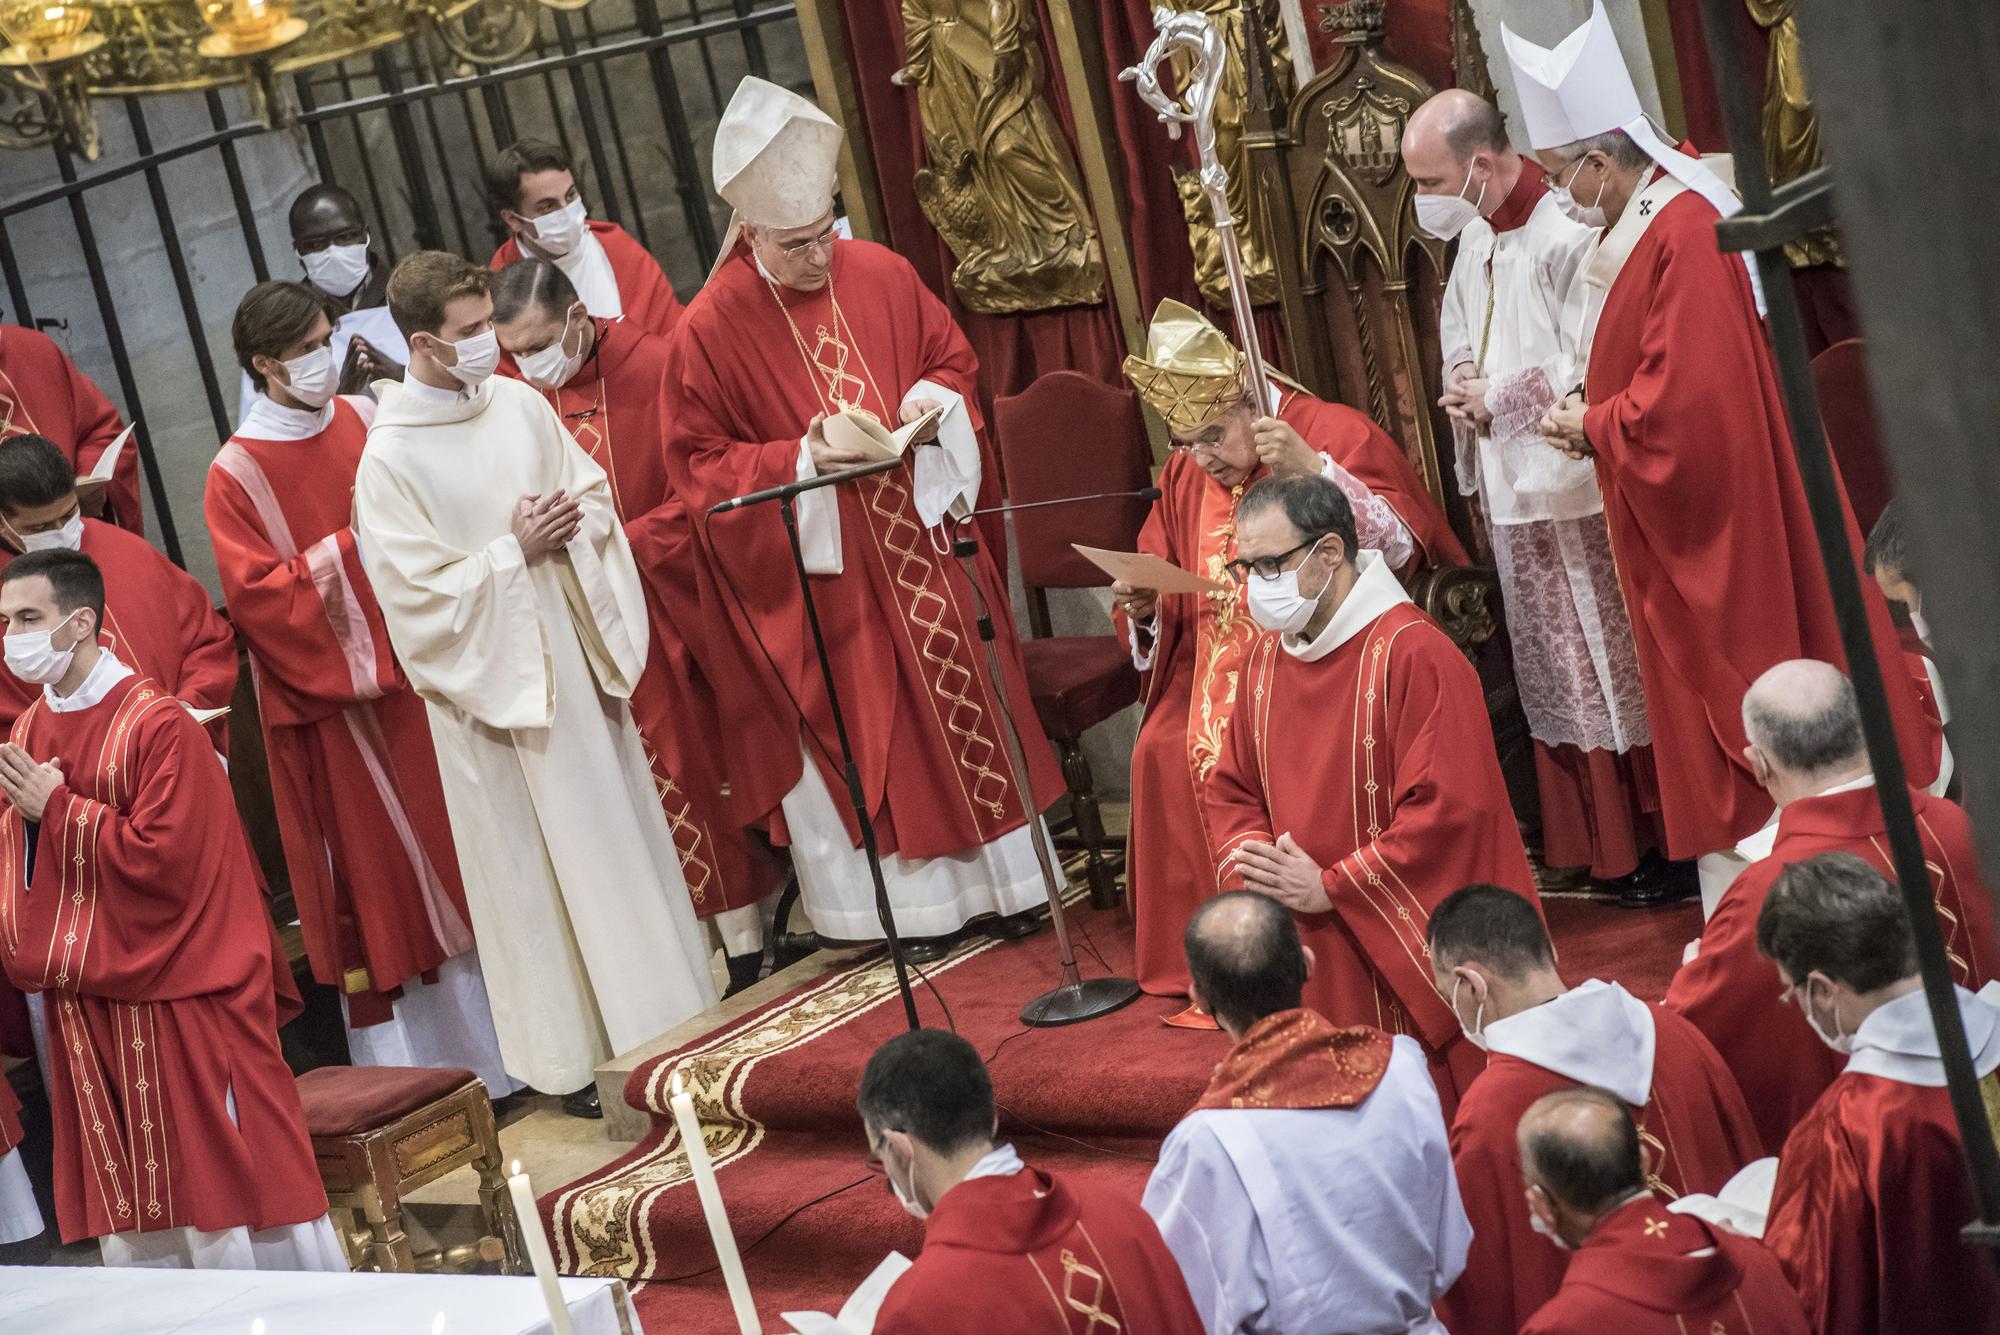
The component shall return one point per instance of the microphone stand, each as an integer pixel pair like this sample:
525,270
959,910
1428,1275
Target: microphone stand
1073,999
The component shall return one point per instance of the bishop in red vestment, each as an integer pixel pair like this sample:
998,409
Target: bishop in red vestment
43,394
1191,646
1872,1187
127,899
1491,955
1400,802
796,325
360,804
607,381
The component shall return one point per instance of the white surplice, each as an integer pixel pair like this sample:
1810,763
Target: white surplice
585,931
20,1216
1330,1219
1596,1033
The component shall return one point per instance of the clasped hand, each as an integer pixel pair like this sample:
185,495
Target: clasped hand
1286,873
26,782
545,524
1562,427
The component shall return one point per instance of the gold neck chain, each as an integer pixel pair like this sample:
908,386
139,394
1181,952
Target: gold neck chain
828,381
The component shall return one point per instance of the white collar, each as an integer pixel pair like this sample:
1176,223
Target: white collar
1595,1034
587,250
1896,1040
270,420
1374,592
425,390
1003,1161
107,672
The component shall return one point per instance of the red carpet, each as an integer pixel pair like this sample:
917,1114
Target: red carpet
776,1094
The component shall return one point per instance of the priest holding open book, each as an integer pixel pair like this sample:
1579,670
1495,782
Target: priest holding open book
797,335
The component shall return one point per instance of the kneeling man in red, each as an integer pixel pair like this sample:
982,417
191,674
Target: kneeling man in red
127,899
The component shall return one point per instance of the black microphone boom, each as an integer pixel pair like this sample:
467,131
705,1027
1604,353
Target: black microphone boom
1137,494
803,485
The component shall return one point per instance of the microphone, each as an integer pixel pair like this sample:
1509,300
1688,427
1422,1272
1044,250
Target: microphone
1138,493
804,484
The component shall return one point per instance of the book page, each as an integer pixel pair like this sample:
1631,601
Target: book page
107,463
859,433
1143,570
858,1313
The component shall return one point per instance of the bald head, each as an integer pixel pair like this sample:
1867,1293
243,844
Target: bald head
1801,718
1245,959
1579,1145
324,210
1453,134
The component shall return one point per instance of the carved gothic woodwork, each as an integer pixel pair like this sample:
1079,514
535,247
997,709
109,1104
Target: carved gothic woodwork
1468,54
1001,186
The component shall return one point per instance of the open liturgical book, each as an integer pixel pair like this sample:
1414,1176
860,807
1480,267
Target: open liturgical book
859,431
857,1314
100,476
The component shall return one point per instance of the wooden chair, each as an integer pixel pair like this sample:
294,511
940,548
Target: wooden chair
380,1132
1840,375
1070,435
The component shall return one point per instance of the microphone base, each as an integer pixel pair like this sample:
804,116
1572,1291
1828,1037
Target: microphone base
1072,1003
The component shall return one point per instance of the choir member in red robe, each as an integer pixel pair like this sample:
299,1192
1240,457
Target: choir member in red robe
1006,1246
606,379
796,325
531,187
1635,1267
43,394
159,620
1397,802
1806,750
127,900
1192,647
354,779
1491,956
1708,519
1872,1187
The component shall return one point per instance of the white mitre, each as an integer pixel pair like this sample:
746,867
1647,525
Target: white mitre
1581,87
776,156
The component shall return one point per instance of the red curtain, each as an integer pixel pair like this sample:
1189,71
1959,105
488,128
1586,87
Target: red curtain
1701,105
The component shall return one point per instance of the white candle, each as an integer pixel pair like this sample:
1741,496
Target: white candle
537,1243
711,1205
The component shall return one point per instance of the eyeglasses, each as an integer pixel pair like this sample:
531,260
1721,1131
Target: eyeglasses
1573,174
1268,567
826,238
1200,443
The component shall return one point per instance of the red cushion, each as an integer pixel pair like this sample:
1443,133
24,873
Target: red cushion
1068,434
1078,681
348,1100
1840,376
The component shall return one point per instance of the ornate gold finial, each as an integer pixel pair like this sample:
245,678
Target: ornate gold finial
1353,18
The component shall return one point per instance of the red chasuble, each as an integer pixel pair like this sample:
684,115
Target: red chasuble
43,394
1695,1132
1708,521
643,290
1870,1197
10,1117
1648,1271
1398,795
752,365
144,930
615,407
1198,651
158,620
355,781
1031,1252
1731,992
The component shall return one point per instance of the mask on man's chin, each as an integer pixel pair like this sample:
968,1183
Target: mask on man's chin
1543,1227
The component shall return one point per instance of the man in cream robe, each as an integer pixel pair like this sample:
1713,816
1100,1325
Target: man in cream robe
526,659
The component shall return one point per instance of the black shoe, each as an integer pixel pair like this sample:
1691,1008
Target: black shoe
743,971
788,948
1013,928
1656,882
926,949
583,1103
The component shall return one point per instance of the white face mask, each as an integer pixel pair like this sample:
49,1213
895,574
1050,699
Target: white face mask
1445,216
69,536
1590,215
1477,1034
1536,1222
33,657
337,270
312,378
1840,1042
558,232
552,367
1278,606
478,357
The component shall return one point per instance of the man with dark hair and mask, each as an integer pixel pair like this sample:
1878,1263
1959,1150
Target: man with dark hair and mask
1399,799
1872,1189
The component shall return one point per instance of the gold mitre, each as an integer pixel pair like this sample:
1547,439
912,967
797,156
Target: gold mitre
1192,375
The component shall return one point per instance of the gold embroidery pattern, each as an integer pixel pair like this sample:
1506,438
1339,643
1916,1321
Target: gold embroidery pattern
1948,921
1655,1228
1075,1275
688,836
86,1076
10,405
1223,635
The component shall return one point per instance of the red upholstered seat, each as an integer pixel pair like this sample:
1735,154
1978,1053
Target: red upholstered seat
1840,377
1078,681
348,1100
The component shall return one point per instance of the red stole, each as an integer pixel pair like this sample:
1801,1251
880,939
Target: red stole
1519,206
1370,454
1730,992
1695,1132
354,778
1708,520
755,364
645,296
1296,1059
1029,1252
43,394
1648,1271
144,929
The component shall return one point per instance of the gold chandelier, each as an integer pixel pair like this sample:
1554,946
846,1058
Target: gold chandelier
59,54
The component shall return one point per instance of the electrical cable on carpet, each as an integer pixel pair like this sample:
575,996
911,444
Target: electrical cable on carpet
765,1236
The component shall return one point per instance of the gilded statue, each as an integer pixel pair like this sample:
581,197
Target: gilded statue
1791,126
1253,231
1002,188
